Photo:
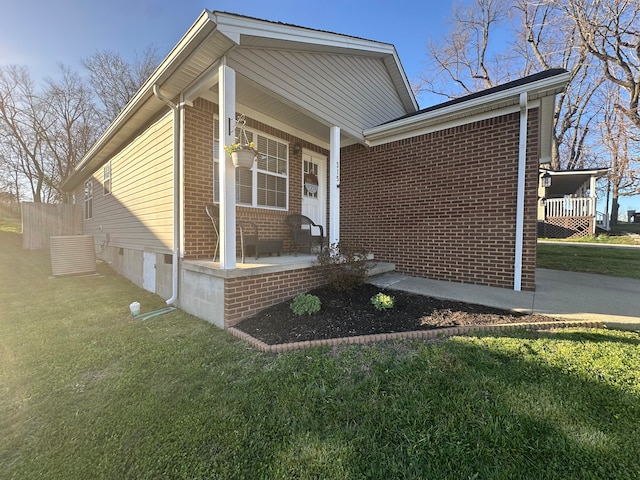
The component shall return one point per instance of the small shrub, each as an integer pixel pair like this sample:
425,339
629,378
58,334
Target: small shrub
342,267
381,301
305,304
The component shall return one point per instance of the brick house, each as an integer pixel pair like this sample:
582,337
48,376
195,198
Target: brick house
448,192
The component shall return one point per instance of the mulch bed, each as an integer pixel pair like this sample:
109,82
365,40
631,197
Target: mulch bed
349,314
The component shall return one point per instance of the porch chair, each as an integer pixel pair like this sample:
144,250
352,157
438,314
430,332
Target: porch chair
250,241
212,212
302,232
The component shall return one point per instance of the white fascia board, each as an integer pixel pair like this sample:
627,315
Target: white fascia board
230,25
486,106
569,173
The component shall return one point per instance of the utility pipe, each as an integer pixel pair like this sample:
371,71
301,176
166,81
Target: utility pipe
177,162
522,164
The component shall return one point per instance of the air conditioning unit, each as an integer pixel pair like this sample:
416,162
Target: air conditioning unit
72,255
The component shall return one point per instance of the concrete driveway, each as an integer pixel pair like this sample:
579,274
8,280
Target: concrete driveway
614,301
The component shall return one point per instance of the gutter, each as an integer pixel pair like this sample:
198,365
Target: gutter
522,164
501,99
178,161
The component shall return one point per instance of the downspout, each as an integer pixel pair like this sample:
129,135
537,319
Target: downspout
522,164
177,164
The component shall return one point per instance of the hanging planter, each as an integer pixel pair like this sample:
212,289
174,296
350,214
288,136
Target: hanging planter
243,158
242,152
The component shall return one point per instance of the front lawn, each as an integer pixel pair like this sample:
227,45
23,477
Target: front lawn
618,262
86,391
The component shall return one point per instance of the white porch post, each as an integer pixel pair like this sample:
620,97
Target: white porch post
227,172
593,201
334,185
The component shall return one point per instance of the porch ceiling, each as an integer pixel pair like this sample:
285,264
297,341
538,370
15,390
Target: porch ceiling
262,104
569,181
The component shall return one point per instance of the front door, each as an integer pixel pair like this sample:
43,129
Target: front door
314,188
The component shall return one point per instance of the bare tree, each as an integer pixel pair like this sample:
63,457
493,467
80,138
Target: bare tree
115,81
465,60
610,31
474,55
72,121
21,133
623,150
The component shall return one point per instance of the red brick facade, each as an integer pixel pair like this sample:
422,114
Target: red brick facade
443,205
198,183
246,296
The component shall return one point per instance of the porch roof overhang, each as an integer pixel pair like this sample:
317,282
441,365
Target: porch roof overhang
566,182
191,67
484,104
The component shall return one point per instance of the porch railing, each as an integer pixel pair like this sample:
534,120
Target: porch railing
602,220
570,207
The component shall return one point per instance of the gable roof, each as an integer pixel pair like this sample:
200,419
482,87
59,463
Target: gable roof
191,67
539,85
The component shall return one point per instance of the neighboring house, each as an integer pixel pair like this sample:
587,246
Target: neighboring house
448,192
567,206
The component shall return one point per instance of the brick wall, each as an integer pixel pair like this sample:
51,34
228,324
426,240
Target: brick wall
198,159
246,296
443,205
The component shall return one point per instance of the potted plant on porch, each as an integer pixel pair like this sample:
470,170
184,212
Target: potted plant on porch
243,152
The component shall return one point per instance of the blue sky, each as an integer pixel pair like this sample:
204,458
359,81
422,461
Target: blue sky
41,33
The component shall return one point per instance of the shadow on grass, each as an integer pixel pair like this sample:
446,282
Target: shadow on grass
491,406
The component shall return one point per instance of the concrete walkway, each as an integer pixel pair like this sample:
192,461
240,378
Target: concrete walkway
613,301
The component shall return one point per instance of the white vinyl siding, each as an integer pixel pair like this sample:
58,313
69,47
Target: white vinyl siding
353,92
139,213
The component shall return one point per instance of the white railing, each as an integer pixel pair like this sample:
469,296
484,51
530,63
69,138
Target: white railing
602,220
570,207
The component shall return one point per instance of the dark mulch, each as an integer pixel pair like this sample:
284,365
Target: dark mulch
348,314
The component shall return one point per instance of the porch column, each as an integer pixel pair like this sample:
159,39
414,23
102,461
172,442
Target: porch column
227,172
334,185
593,202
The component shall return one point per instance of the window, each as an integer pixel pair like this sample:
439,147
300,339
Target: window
106,182
88,199
266,185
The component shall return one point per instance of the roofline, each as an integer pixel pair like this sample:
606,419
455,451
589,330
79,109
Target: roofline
466,106
586,171
232,26
202,25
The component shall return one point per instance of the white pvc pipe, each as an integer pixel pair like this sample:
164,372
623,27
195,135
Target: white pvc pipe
176,190
522,164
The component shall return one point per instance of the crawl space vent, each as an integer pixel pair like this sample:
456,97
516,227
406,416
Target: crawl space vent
72,255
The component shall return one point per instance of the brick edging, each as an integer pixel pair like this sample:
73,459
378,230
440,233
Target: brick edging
423,334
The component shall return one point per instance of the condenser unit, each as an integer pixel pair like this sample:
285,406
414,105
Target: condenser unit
72,255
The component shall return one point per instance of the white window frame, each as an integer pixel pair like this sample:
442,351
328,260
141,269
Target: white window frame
107,184
255,171
88,199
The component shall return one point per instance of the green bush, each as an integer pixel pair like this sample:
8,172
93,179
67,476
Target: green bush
305,304
381,301
343,267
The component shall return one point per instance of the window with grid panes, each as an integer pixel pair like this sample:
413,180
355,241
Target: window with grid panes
266,185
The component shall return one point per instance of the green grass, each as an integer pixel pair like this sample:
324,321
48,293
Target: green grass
10,223
616,262
86,391
600,239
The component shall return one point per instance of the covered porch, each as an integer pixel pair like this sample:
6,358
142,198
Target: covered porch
567,203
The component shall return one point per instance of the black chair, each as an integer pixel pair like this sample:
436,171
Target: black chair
250,241
212,212
304,232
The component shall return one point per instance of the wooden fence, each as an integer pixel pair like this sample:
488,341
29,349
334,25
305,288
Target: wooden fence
41,221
